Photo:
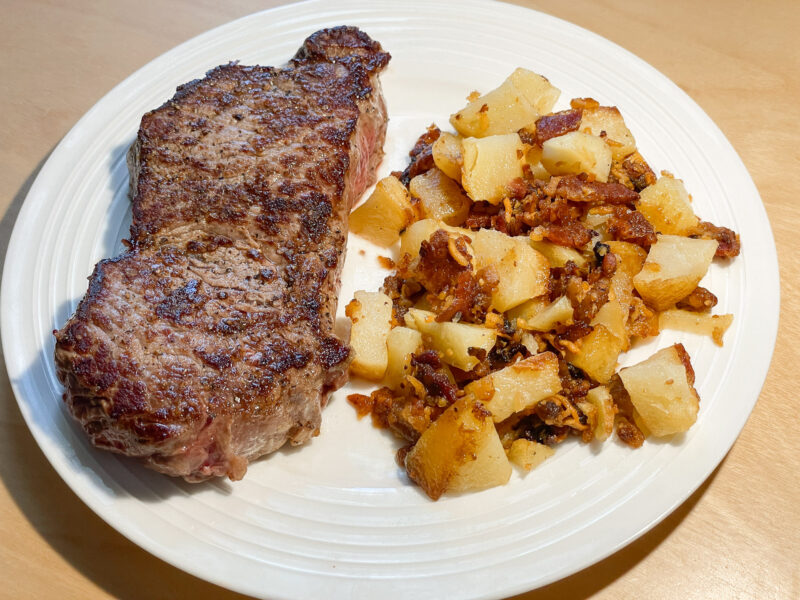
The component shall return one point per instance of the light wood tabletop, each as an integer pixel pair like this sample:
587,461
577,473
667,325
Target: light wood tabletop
737,536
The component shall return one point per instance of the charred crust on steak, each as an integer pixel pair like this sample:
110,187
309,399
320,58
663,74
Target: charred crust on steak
210,341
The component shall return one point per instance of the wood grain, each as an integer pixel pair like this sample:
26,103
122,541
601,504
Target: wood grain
738,536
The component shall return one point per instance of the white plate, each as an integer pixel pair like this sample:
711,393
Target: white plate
338,518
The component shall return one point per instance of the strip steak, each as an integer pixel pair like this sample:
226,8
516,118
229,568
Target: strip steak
210,342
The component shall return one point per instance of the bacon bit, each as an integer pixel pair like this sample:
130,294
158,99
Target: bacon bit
729,243
386,262
421,155
584,103
572,234
631,226
700,300
638,171
550,126
578,188
363,404
437,269
628,433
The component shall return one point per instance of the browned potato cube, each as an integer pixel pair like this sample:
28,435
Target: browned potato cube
713,326
608,118
446,152
666,205
631,257
528,455
662,392
556,254
603,403
674,267
518,386
401,343
598,354
577,152
518,101
523,273
440,197
459,452
371,314
558,311
452,340
384,214
490,164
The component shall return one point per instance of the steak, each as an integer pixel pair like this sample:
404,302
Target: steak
210,342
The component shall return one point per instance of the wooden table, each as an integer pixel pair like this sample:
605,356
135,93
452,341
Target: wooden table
738,536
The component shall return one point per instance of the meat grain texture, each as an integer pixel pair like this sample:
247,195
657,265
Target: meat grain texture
210,342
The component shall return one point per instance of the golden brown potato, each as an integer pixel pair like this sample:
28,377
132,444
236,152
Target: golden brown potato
523,273
661,392
519,100
401,343
631,257
446,152
558,311
371,314
440,197
577,152
558,256
605,410
598,354
608,118
490,164
384,214
518,386
528,455
666,205
713,326
674,267
613,315
459,452
452,340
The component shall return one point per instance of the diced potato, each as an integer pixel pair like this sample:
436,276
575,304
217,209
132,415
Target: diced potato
401,343
661,392
528,340
459,452
558,255
621,288
631,257
666,205
577,152
558,311
603,403
529,309
608,118
528,455
518,386
371,314
538,90
519,100
384,214
503,110
598,354
446,152
533,158
440,197
613,315
674,267
412,238
714,326
523,273
490,164
452,340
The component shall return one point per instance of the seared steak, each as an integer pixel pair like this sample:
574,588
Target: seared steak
210,342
